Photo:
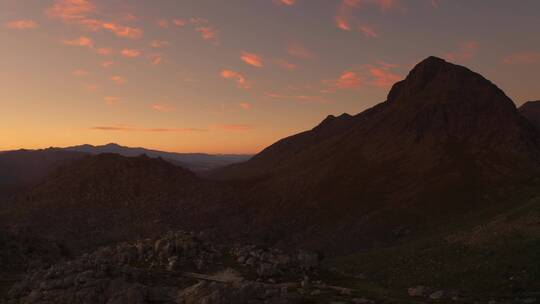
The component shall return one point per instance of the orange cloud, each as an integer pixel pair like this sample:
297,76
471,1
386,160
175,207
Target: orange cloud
344,16
284,64
104,51
252,59
285,2
299,98
21,24
245,105
465,52
383,78
163,23
368,31
158,44
379,75
80,73
207,33
130,53
156,59
111,100
107,64
239,78
159,107
349,80
129,128
119,80
79,12
523,58
234,127
81,41
179,22
297,50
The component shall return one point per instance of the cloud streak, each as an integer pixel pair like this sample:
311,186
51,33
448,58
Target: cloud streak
252,59
241,81
21,24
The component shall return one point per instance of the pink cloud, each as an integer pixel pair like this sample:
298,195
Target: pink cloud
130,53
111,100
207,33
349,80
252,59
239,78
179,22
80,73
158,44
81,41
299,98
159,107
382,77
21,24
245,105
368,31
156,59
466,51
79,12
284,64
130,128
298,50
119,80
104,51
107,64
163,23
345,12
523,58
285,2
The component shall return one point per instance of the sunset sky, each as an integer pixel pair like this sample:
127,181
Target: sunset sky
233,76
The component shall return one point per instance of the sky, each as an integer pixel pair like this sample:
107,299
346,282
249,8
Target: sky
234,76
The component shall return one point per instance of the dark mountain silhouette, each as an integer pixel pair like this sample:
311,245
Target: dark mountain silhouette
434,150
22,168
192,161
531,111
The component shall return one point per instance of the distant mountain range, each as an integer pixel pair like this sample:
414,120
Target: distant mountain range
192,161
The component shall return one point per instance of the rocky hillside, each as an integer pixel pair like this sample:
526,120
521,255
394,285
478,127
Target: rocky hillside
433,151
531,111
24,168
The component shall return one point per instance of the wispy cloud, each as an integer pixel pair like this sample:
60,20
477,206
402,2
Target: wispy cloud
298,50
523,58
379,75
179,22
285,2
131,53
104,51
208,33
80,73
368,31
286,65
163,23
106,64
245,105
234,127
349,80
130,128
81,41
82,13
161,107
23,24
112,100
466,51
252,59
241,81
119,80
159,44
